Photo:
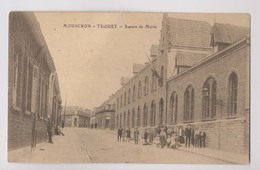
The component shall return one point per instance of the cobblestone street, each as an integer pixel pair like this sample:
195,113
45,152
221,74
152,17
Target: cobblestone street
100,146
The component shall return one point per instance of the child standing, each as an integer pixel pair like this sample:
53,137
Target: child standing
157,140
128,135
136,136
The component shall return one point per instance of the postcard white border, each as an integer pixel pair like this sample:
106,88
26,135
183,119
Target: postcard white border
205,6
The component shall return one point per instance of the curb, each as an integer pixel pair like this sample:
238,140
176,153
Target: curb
213,157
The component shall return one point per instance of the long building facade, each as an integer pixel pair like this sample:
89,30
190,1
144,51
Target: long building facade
199,75
34,92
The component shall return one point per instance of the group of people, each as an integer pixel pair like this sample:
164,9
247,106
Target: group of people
125,135
57,129
164,137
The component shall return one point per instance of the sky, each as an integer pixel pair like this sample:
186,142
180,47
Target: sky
91,61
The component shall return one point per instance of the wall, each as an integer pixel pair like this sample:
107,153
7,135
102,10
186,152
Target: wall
20,118
234,131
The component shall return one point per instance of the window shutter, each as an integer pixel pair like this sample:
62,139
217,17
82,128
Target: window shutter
34,88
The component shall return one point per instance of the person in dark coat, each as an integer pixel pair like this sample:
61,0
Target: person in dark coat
202,138
193,136
188,135
165,129
119,134
158,130
128,134
145,135
49,129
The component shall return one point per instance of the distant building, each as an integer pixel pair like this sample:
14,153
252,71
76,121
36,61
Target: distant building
105,114
33,92
93,123
77,117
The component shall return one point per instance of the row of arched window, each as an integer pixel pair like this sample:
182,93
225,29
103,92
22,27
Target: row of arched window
209,100
209,103
123,119
126,98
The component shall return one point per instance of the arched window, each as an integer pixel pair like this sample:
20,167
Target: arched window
153,113
209,98
121,101
139,116
232,99
146,85
173,107
134,91
128,119
129,95
139,89
145,114
161,111
188,104
117,103
133,118
154,81
125,99
117,122
124,123
120,119
161,77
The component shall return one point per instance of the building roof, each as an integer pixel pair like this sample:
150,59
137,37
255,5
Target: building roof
189,33
154,50
138,67
227,33
36,30
185,58
213,57
124,80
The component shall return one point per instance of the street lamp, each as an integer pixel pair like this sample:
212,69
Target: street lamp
205,91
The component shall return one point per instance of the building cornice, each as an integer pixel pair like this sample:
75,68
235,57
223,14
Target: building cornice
106,110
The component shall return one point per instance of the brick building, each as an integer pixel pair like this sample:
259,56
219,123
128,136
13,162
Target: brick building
105,114
199,75
77,117
144,96
33,92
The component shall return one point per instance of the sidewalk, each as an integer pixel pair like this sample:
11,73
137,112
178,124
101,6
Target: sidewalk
230,158
59,152
76,147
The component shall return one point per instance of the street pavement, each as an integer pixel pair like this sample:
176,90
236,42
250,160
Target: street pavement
82,145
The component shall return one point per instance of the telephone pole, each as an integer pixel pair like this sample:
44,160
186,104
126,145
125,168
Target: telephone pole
65,109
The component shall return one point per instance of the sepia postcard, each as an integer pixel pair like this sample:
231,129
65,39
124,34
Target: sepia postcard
121,87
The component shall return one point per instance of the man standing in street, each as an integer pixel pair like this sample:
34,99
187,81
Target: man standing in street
49,129
188,135
128,134
136,136
202,138
145,135
119,134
